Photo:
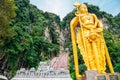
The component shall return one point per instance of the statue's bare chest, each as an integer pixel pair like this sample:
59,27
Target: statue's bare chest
87,19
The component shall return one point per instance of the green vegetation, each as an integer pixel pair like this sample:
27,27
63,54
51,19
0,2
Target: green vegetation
22,42
6,14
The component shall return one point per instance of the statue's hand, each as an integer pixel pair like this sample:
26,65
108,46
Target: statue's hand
93,36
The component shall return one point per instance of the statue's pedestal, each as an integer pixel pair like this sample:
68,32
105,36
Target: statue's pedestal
93,75
89,75
108,76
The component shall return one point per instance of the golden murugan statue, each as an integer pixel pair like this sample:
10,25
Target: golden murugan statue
89,38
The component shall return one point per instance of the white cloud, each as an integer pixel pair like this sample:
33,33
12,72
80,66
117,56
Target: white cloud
59,7
62,7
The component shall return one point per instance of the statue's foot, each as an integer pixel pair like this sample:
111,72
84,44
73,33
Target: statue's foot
102,72
79,76
93,68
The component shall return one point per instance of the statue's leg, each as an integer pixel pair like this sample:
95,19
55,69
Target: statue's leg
91,57
96,54
82,49
101,50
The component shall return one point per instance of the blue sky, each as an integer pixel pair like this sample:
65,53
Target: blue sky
62,7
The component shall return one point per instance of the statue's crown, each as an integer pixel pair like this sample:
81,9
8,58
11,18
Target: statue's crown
76,4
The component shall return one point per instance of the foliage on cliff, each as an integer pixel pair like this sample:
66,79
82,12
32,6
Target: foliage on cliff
22,42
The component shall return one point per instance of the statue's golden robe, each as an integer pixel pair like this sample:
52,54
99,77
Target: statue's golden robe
89,48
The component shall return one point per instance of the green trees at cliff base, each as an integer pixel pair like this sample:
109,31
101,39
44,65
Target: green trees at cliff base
22,39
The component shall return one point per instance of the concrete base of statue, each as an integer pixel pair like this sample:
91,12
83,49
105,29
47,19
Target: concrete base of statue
89,75
108,76
94,75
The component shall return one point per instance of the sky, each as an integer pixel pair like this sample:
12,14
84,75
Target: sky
63,7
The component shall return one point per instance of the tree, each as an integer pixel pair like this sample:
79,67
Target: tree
7,13
22,39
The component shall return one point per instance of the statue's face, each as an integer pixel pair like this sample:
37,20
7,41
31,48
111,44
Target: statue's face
83,8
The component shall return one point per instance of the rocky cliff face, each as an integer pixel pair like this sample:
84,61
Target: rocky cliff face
47,34
60,35
105,23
